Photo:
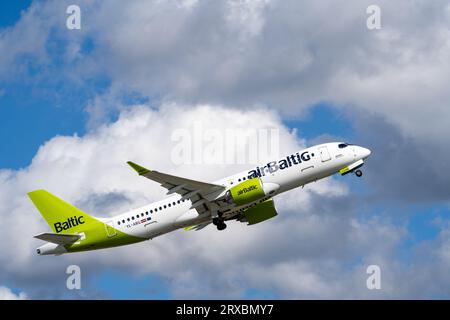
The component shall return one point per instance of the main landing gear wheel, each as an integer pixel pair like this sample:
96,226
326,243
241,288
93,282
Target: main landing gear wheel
219,223
358,173
221,226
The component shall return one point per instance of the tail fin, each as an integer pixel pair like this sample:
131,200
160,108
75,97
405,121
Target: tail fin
60,215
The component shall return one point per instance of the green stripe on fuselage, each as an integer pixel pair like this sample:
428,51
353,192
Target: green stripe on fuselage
97,237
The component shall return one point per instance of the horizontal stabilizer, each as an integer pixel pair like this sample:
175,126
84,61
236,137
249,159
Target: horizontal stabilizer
58,238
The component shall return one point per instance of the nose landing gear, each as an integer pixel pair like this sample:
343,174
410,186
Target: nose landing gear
358,173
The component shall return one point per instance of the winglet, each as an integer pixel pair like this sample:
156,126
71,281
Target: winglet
140,170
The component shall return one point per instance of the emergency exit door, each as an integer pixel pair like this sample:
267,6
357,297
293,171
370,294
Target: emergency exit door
324,154
110,231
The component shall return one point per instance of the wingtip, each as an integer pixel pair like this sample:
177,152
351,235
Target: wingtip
33,193
140,170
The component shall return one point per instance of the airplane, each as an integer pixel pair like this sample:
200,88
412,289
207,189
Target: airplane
246,197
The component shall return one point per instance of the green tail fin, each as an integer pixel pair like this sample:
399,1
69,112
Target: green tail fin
60,215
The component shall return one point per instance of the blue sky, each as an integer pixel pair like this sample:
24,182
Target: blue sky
10,12
28,114
58,97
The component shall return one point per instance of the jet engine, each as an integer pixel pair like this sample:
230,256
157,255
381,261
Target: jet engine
51,248
249,191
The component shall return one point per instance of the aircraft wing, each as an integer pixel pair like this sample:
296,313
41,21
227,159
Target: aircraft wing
200,193
58,238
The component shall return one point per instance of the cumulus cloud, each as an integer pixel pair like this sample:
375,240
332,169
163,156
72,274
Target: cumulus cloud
286,55
95,176
403,168
318,247
251,58
295,54
7,294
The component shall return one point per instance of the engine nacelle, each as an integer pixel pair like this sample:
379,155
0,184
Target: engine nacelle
249,191
51,248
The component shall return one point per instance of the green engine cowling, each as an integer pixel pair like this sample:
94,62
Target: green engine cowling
250,191
260,212
245,192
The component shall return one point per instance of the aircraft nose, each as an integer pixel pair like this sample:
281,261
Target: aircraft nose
365,152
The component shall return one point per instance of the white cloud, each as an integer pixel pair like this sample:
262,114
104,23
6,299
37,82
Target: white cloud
283,54
95,176
7,294
24,43
286,55
308,251
246,17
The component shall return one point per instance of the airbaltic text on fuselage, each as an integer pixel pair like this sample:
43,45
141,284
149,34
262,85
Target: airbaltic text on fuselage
282,164
71,222
245,190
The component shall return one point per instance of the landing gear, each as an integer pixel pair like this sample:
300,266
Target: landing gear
221,226
219,223
358,173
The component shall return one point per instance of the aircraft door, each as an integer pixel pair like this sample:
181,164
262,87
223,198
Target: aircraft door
110,231
324,154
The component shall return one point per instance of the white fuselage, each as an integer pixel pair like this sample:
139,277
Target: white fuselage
292,171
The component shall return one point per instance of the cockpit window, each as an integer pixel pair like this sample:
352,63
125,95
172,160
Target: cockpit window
343,145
